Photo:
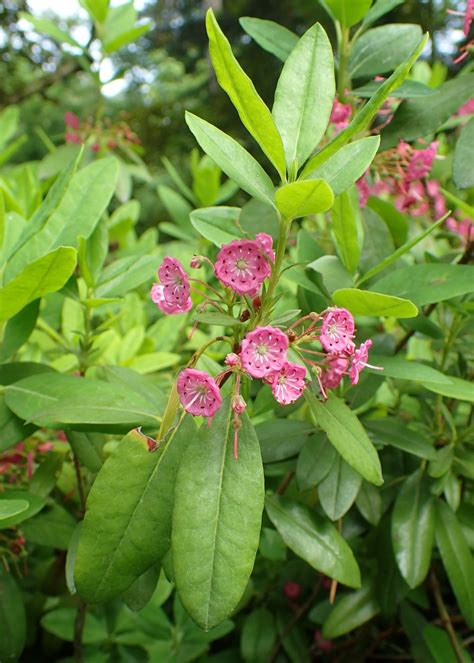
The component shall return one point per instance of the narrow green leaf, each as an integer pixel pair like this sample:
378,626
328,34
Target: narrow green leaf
127,37
217,224
346,228
365,302
462,390
234,160
382,49
369,503
347,434
10,508
252,110
407,90
127,526
140,592
351,611
271,36
463,173
97,8
50,28
217,517
12,618
393,432
403,369
18,330
258,635
429,283
401,250
221,319
35,504
440,646
348,164
457,559
367,113
413,529
281,438
339,488
304,198
348,12
458,202
40,277
379,9
396,221
304,96
314,539
315,461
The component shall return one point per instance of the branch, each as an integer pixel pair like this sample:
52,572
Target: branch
444,615
40,85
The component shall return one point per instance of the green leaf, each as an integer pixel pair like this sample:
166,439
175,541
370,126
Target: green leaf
60,622
53,528
379,9
333,272
281,438
382,49
18,330
348,164
389,431
462,390
57,400
369,503
127,37
314,539
12,618
271,36
457,559
396,221
216,518
258,635
234,160
315,461
140,592
87,448
50,28
42,276
440,646
339,488
407,90
217,224
9,120
221,319
463,173
97,9
304,198
417,118
351,611
366,114
347,434
9,508
426,284
252,110
389,260
348,12
176,205
346,227
35,504
13,429
75,214
413,522
125,274
304,96
364,302
403,369
127,525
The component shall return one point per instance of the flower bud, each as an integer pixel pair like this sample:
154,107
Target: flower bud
232,359
238,404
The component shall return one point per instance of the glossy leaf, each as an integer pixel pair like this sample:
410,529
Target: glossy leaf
462,390
127,526
366,114
271,36
413,522
234,160
382,49
12,618
217,517
396,221
365,302
398,435
303,198
252,110
463,173
457,559
258,635
281,438
426,284
347,434
351,611
97,8
314,539
50,28
346,227
379,9
35,504
348,12
407,90
339,488
440,646
348,164
56,400
217,224
397,367
40,277
304,96
52,527
417,118
10,508
315,461
369,503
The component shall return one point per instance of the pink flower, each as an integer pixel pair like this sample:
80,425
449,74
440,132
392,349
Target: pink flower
413,200
337,330
359,361
364,191
468,16
288,383
198,393
232,359
238,404
265,243
467,108
340,115
334,371
264,351
71,120
175,281
170,308
242,265
72,137
421,162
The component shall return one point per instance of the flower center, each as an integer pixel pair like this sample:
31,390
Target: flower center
261,349
281,379
241,264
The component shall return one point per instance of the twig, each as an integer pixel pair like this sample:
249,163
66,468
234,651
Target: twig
443,613
78,631
285,482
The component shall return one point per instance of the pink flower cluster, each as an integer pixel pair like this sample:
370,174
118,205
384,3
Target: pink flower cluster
105,135
340,115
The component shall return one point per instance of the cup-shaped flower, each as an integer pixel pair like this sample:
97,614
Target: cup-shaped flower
175,281
264,351
198,393
265,242
288,383
337,330
334,371
170,308
359,361
242,266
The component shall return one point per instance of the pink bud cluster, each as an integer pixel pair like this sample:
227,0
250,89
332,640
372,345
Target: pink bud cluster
340,116
104,135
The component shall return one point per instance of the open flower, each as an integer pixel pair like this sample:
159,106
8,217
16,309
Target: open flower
334,371
198,393
242,265
264,351
172,294
359,361
170,308
337,330
288,383
265,243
